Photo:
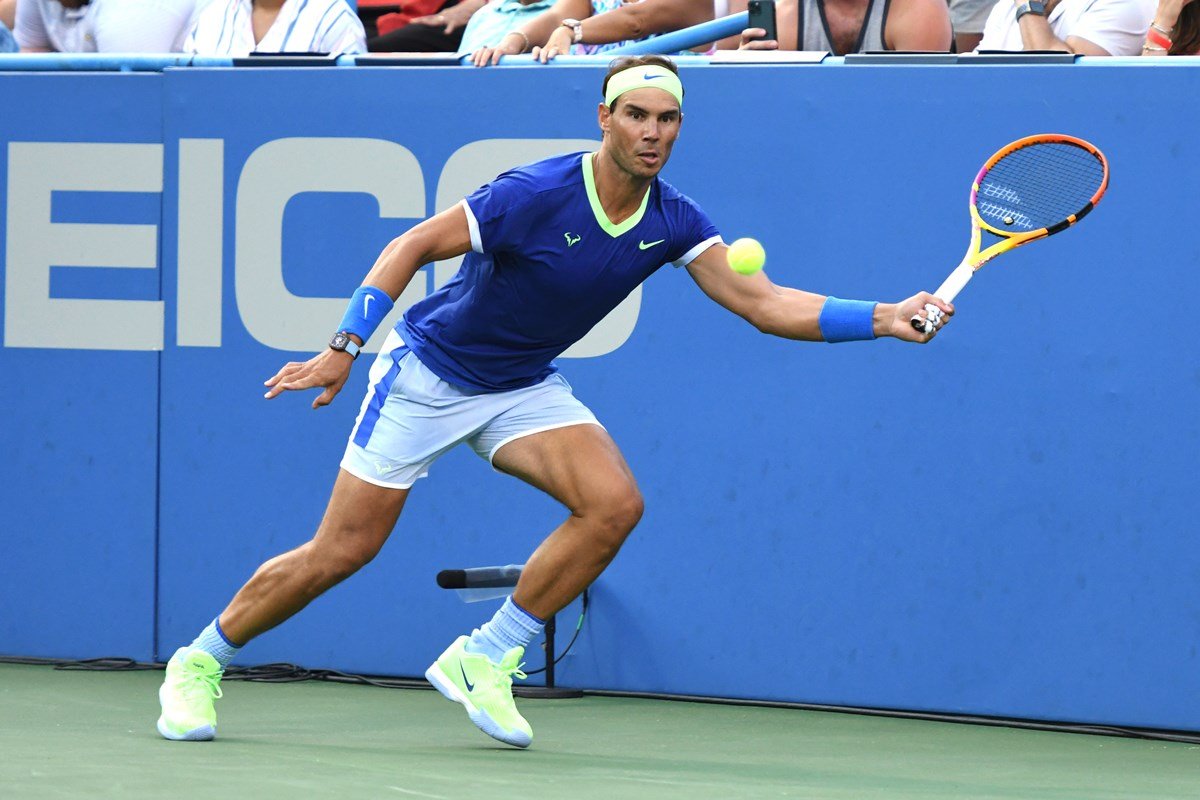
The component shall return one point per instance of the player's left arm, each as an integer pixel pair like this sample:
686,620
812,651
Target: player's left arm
442,236
792,313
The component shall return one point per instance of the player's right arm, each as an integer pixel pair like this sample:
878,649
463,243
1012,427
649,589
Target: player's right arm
794,314
443,236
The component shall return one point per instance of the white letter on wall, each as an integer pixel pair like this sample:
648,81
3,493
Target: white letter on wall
277,172
35,244
201,235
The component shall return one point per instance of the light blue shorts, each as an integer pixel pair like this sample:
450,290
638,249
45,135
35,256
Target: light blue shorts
411,417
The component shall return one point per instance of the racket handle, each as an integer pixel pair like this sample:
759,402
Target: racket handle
947,291
955,283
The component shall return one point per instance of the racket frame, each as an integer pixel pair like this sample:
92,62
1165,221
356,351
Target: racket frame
975,258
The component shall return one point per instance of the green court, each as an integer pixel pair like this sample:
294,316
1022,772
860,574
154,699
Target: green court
87,734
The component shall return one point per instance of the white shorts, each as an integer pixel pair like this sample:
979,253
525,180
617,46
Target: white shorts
411,417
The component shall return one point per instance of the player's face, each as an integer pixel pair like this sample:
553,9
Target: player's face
641,130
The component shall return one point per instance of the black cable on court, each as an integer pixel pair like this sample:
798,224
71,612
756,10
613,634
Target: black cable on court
280,672
291,673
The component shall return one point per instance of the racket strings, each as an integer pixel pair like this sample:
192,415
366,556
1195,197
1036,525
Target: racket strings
1038,186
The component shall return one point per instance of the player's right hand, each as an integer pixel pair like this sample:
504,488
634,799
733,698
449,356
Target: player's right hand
328,369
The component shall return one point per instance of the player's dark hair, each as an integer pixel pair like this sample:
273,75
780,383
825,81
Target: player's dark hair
625,62
1186,41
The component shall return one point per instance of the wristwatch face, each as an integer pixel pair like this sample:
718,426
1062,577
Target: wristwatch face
339,341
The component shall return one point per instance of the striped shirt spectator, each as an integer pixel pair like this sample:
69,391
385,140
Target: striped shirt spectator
240,27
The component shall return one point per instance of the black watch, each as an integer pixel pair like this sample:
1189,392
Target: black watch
342,342
1031,7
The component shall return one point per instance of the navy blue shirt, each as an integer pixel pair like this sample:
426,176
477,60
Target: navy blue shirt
546,265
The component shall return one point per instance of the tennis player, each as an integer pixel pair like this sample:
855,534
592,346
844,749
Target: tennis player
550,248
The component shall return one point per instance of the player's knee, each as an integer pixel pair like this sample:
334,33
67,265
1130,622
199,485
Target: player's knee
619,514
338,561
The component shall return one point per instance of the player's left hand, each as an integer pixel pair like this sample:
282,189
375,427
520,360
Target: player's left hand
328,369
898,323
559,44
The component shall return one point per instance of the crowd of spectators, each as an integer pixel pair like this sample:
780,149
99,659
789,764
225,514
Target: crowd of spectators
204,27
487,30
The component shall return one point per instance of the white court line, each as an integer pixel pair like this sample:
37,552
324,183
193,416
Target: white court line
418,794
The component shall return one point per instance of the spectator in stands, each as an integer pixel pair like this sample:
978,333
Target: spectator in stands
852,26
625,23
1178,23
437,32
102,26
594,26
1084,27
8,20
241,27
968,18
464,28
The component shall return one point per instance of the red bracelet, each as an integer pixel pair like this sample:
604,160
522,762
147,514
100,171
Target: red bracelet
1158,40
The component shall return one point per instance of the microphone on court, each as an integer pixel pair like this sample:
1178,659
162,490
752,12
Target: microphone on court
480,577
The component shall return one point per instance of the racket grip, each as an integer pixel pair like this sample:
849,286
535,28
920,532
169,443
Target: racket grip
947,291
955,283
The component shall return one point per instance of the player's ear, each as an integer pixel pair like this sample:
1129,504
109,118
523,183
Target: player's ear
603,115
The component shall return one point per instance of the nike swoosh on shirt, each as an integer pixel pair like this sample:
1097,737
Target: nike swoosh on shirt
648,245
470,686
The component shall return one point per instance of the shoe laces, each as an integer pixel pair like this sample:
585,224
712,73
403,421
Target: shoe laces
505,673
195,680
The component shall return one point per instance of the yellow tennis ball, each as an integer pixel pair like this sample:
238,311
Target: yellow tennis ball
746,256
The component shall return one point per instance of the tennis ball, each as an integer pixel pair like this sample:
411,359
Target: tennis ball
746,256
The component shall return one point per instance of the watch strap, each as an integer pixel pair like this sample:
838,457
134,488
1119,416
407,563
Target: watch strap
576,28
1031,7
342,342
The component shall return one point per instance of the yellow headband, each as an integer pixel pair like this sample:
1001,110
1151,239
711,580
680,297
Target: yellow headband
643,77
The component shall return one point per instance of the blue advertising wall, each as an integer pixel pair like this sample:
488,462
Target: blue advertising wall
998,523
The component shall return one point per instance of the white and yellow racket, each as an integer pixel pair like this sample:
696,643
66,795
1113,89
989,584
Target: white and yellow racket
1030,189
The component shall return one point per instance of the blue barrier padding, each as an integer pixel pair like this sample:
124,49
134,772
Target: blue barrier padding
688,37
1017,542
105,62
78,427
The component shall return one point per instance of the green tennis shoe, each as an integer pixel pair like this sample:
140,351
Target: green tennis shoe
484,689
193,682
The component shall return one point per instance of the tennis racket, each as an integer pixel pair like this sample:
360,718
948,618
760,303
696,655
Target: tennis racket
1031,189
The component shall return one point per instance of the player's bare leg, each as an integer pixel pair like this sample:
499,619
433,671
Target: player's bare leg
581,467
357,522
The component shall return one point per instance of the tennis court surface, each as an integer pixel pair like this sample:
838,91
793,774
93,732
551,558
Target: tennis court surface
88,734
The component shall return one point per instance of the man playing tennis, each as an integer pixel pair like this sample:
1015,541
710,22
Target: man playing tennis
550,248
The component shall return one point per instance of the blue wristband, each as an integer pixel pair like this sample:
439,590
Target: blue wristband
847,320
367,309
